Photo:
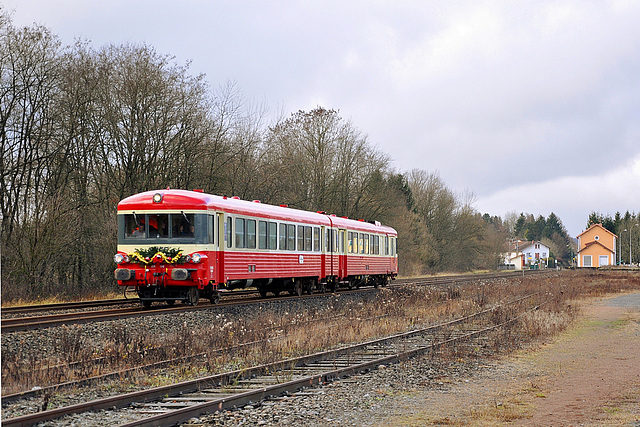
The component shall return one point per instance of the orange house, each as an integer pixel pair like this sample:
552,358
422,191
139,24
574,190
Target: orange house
597,247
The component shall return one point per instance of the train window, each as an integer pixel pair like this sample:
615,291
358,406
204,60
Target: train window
308,239
386,245
262,234
326,241
186,228
361,239
376,241
301,238
291,237
273,235
355,243
250,240
159,226
240,232
283,237
350,242
182,225
210,229
316,239
229,231
334,241
133,226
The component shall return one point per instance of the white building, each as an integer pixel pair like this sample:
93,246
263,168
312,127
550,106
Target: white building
524,253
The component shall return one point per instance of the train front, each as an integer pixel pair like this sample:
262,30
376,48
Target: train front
165,247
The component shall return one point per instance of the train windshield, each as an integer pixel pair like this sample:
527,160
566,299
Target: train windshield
178,227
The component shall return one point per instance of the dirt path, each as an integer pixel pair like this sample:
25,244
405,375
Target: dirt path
592,373
589,376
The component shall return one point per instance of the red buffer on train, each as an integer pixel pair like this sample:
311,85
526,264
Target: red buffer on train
178,245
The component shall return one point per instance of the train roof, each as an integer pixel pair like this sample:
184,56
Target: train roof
185,200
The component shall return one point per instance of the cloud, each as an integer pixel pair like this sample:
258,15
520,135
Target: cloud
493,94
572,198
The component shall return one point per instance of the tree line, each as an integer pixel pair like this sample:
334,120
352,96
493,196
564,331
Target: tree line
84,127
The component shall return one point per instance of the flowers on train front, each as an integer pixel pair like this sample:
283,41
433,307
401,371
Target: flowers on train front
158,255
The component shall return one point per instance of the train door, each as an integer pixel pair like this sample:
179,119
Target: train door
323,253
219,247
342,256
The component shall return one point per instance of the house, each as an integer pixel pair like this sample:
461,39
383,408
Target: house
535,253
523,253
596,247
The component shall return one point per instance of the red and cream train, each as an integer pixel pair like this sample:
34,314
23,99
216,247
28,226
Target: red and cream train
183,245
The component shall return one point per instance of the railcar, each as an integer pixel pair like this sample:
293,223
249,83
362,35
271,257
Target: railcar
179,245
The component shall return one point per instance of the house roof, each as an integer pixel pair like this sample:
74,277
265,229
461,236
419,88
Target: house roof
531,243
595,242
596,225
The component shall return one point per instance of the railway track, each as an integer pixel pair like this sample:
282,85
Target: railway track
68,306
176,402
47,321
239,297
150,367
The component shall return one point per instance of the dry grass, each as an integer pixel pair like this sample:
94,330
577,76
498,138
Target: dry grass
275,337
56,299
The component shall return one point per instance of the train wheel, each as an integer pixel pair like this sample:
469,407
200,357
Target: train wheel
215,297
262,291
322,288
146,303
171,302
192,296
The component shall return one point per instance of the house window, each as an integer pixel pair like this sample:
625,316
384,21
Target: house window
596,238
603,260
586,260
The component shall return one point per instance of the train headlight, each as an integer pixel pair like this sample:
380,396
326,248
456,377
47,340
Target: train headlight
157,198
196,258
120,258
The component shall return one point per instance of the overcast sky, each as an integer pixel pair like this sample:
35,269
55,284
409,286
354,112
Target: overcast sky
533,106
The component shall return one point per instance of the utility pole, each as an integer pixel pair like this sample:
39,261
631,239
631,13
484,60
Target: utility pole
630,228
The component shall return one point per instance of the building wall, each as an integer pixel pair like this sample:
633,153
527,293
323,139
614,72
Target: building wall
595,251
542,251
599,234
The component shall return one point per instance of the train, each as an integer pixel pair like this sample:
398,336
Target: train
182,245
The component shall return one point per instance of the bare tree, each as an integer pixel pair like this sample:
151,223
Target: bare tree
324,163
